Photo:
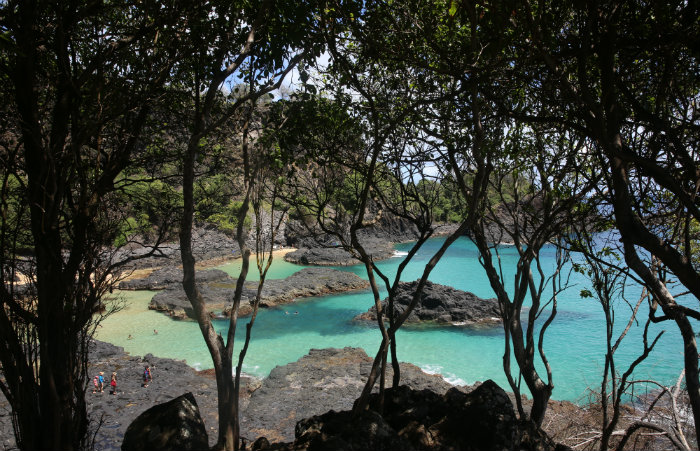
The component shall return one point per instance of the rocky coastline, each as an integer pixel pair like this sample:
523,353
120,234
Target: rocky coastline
304,404
440,304
217,289
323,380
378,240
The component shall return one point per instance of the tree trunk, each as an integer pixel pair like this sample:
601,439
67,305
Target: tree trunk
227,439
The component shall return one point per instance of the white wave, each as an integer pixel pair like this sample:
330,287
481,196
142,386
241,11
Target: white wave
454,380
447,377
251,368
400,254
197,366
432,369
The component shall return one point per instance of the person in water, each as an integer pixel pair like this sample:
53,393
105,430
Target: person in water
155,332
130,337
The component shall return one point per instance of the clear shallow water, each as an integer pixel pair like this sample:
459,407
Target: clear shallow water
574,343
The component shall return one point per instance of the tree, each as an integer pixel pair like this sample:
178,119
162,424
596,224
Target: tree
366,154
609,284
80,81
625,75
535,195
258,43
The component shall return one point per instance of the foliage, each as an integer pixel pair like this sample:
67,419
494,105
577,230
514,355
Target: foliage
80,84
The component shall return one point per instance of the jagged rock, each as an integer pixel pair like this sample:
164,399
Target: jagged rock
175,424
305,283
440,304
340,431
482,420
324,250
218,291
334,256
260,444
174,302
322,380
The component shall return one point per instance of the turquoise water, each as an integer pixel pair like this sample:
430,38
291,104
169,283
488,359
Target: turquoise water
574,343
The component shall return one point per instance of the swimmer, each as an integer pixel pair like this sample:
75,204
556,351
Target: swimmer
130,337
155,332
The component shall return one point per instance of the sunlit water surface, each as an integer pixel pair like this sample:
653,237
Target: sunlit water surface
574,343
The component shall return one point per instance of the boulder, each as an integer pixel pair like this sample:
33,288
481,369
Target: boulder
341,431
175,424
440,304
482,420
322,380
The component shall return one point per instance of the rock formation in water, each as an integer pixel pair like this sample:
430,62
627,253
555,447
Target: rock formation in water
440,304
217,290
315,248
167,277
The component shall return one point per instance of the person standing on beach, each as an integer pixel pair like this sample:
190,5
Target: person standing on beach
101,382
147,377
113,383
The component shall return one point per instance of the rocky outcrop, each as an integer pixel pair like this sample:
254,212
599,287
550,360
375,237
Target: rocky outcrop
337,256
440,304
218,291
343,431
481,420
174,302
170,379
163,278
378,240
208,243
175,424
324,379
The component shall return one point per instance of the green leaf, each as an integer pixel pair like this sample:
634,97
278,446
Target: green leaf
453,8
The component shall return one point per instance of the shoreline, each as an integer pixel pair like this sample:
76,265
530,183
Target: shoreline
210,263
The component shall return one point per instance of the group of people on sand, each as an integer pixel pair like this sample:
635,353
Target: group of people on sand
99,381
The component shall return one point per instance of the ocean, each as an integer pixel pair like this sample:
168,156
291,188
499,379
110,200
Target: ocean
574,343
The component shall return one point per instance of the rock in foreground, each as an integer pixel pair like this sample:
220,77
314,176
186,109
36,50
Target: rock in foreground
482,420
324,379
175,424
440,304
